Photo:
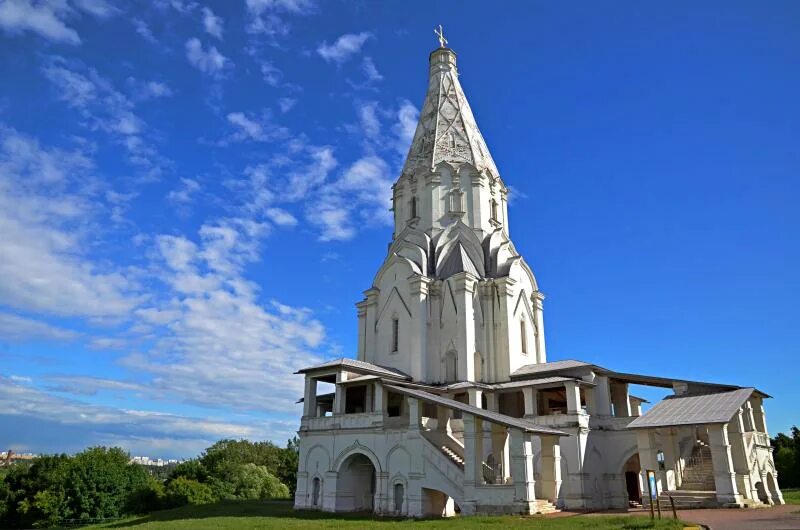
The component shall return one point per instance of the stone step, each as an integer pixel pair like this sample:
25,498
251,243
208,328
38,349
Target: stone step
689,499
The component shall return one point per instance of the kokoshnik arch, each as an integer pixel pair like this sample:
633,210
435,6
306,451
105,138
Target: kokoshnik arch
452,406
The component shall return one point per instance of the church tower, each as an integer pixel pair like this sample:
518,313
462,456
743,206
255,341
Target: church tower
453,300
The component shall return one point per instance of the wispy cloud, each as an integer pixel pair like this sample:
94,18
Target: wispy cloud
208,60
48,18
212,23
344,47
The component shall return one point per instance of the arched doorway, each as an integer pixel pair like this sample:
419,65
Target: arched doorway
632,470
772,487
355,485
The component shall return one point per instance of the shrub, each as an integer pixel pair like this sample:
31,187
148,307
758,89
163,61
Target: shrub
181,491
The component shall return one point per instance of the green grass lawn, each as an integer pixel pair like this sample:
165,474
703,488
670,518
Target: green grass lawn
791,496
265,514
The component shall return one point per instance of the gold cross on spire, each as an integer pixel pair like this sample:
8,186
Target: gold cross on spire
440,34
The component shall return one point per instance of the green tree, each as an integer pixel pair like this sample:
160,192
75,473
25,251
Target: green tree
787,458
181,491
100,482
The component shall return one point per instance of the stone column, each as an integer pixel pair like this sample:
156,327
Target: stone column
759,418
671,457
741,460
492,402
573,397
413,414
379,398
479,451
645,439
500,453
522,470
443,415
551,468
530,394
722,461
419,326
602,396
475,395
310,397
339,394
537,299
620,399
381,501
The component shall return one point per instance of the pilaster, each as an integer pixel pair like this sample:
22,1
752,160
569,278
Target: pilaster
419,337
537,302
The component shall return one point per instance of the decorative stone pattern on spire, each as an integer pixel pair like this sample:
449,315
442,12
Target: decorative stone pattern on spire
447,131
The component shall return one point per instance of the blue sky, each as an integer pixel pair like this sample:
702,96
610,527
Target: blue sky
194,195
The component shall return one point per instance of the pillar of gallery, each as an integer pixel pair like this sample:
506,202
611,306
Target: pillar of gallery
530,396
741,462
722,461
550,476
500,453
522,470
573,397
471,462
648,460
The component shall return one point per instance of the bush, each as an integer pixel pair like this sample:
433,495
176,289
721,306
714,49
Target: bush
181,491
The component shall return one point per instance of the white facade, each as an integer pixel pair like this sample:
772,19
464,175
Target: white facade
451,405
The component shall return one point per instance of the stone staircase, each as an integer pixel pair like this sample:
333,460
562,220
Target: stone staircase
545,506
452,456
697,490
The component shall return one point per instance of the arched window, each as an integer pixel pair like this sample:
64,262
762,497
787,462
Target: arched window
399,495
315,487
494,210
413,207
523,337
395,335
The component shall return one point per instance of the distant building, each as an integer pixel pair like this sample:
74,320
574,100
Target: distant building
452,404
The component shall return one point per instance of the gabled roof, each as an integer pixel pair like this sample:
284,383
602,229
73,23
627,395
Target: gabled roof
693,409
457,261
353,365
488,415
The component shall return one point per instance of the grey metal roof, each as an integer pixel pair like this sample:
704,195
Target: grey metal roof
495,417
536,383
693,409
542,368
357,366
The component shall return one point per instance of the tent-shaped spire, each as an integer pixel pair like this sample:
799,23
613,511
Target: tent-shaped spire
446,131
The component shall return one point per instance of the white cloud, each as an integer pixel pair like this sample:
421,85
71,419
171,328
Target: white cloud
209,61
185,193
48,17
144,90
104,108
272,75
212,23
254,129
370,70
281,217
17,328
143,30
289,6
139,431
45,204
406,126
344,47
286,104
370,124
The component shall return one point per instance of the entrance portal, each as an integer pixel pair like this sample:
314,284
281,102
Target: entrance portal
355,486
632,470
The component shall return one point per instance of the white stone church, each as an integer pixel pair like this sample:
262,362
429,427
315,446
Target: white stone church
452,406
